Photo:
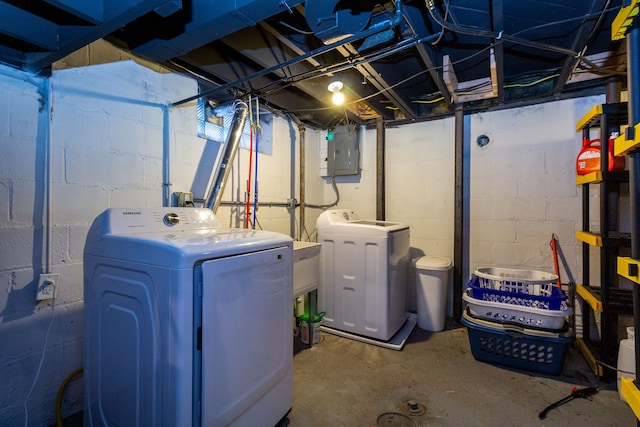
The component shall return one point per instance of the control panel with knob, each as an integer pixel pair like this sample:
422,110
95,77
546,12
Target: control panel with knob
171,219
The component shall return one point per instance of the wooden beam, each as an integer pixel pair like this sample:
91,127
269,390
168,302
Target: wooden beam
497,51
428,57
611,61
71,38
288,43
457,88
493,71
91,11
373,77
29,28
449,76
583,34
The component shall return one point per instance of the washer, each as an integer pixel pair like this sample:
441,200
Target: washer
363,273
186,323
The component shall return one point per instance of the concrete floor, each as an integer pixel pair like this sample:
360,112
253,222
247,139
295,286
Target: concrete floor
342,382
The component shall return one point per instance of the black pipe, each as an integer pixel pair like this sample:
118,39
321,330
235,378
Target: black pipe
458,226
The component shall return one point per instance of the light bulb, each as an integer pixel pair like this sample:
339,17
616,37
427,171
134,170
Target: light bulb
338,98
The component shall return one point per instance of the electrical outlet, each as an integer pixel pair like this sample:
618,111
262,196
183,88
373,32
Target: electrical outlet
47,286
183,199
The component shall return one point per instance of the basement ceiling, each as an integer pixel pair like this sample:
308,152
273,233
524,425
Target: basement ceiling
402,60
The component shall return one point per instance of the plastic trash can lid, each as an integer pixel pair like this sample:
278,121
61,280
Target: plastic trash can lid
436,263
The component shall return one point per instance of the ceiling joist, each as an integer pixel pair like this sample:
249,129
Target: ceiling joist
472,90
396,63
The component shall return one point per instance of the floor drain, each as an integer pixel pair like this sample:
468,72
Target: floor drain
414,408
394,419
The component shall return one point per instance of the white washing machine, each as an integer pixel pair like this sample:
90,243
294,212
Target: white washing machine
186,323
363,273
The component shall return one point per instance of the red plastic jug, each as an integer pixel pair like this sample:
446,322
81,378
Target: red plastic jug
589,157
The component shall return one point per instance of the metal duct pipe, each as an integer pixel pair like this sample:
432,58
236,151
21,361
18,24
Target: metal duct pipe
230,148
331,22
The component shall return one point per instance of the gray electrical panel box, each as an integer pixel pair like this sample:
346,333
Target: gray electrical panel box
343,156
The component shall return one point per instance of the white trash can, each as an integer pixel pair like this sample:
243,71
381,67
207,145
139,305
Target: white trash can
432,280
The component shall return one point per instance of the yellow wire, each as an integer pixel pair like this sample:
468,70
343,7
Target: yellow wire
60,392
433,101
533,82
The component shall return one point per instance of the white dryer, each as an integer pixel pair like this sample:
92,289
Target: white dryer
186,323
363,273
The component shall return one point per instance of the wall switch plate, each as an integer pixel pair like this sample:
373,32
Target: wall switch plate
47,286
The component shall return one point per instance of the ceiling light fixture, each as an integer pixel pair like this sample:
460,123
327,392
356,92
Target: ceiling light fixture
335,88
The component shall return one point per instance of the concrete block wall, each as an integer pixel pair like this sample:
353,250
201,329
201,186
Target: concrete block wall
419,183
23,323
520,188
93,134
107,130
107,134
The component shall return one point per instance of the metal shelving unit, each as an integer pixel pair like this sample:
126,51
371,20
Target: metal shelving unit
627,26
603,295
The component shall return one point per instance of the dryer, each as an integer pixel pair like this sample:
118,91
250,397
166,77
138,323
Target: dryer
186,323
363,273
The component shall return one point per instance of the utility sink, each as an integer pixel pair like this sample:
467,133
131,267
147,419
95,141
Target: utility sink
306,267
